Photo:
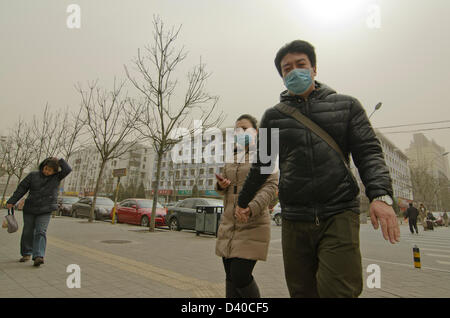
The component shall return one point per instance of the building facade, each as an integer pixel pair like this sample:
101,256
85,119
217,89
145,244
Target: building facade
400,173
182,180
86,166
431,166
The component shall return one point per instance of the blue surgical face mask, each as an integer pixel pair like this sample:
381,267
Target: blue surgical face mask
242,139
298,80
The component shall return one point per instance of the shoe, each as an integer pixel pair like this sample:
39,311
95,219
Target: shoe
230,290
250,291
38,261
25,258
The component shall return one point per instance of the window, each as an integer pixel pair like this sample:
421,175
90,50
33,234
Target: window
185,172
200,182
202,171
190,203
192,172
184,182
210,182
191,182
211,170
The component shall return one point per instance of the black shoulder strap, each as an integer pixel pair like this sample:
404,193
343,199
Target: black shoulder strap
296,114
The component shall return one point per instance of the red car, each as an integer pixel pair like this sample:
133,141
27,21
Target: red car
139,211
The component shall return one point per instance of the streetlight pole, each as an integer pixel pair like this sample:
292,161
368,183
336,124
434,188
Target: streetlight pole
377,107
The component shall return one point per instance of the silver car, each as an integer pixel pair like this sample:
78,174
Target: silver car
103,207
276,214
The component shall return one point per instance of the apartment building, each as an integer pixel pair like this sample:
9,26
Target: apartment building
86,166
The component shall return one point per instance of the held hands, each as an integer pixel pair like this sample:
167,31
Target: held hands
381,213
242,215
9,206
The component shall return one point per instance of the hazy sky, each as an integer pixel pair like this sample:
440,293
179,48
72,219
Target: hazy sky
405,63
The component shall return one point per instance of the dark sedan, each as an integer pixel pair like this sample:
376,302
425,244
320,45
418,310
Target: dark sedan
183,214
65,205
103,207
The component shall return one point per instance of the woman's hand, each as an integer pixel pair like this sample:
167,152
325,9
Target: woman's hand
223,183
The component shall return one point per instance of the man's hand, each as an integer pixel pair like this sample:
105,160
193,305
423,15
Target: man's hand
241,214
384,215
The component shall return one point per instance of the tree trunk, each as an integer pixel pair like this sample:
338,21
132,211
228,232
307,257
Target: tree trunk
155,195
6,188
91,214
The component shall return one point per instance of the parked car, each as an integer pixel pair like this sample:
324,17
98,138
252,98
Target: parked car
65,205
103,207
139,211
438,219
276,214
183,214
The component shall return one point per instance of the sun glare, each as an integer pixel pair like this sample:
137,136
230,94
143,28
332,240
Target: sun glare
328,11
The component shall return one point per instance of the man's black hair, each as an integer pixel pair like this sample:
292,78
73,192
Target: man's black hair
250,118
297,46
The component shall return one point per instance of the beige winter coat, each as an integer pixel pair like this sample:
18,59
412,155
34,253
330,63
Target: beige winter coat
245,240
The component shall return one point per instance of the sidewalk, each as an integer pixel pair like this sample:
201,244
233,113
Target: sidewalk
127,261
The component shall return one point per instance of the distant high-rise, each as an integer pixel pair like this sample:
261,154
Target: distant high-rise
423,151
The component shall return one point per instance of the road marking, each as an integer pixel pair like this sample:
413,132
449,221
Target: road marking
173,279
434,250
438,255
407,265
428,244
444,263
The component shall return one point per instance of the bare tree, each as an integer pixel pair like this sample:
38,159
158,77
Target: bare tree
110,120
161,118
71,130
48,133
424,185
18,152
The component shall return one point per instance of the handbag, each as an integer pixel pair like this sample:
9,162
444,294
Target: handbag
12,222
316,129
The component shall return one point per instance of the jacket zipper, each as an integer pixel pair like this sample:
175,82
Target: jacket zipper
316,217
234,209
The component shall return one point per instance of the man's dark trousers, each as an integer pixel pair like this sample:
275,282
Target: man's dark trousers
413,225
323,260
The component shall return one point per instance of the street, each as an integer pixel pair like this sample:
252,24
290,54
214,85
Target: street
127,261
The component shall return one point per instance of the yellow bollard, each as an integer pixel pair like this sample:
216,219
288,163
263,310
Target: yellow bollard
416,253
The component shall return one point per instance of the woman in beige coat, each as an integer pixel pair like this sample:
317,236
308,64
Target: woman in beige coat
241,243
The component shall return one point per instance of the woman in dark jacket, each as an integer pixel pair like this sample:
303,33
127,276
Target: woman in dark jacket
41,202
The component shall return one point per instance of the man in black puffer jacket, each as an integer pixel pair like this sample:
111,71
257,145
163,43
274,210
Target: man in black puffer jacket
43,188
318,194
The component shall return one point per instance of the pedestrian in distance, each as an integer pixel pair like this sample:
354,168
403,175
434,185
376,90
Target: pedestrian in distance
42,186
422,215
411,214
445,218
318,193
242,241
